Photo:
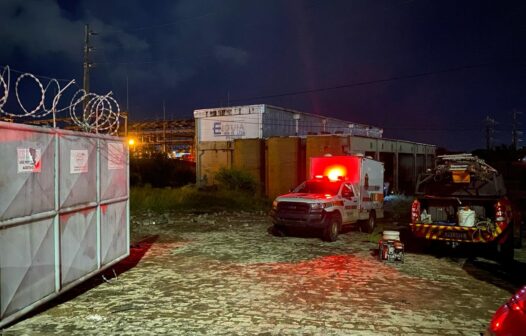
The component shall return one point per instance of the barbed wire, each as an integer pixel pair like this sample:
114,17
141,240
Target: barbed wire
98,113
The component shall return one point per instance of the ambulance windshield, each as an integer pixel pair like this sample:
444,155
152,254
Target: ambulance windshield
319,187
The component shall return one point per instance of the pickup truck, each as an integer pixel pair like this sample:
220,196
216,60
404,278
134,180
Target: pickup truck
463,201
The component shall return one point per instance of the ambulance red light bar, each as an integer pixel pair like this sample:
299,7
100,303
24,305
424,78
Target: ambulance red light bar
336,173
331,176
336,168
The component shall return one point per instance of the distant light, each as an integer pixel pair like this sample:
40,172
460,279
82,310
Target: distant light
131,142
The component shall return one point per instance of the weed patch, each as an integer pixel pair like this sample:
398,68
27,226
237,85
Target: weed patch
190,199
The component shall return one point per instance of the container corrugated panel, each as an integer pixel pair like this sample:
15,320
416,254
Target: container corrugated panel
249,156
27,262
113,169
282,165
113,232
27,169
78,244
279,121
78,169
50,207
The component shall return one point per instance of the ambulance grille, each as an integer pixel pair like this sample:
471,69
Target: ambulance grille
293,208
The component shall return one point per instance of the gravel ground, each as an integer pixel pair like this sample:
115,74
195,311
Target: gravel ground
225,274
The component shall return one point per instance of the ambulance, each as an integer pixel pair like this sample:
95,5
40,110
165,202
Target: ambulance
342,190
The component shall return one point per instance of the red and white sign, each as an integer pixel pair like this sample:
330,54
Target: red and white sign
116,158
78,161
29,160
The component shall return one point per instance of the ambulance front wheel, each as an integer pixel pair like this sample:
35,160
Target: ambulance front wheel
330,233
368,225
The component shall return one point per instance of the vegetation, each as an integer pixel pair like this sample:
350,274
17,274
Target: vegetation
236,179
161,172
236,191
397,208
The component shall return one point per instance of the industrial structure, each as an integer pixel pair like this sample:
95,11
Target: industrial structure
275,144
173,138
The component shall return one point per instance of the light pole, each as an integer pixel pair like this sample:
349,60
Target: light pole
296,117
124,115
351,128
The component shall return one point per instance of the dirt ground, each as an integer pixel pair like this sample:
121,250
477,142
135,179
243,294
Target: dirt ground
226,274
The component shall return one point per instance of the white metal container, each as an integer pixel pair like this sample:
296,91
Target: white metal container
466,217
264,121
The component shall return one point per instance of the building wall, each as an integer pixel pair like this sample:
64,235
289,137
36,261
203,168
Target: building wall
323,145
280,163
212,156
284,157
249,155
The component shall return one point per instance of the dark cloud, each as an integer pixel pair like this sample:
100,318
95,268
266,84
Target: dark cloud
204,53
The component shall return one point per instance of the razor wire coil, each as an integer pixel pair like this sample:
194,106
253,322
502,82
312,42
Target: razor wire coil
98,113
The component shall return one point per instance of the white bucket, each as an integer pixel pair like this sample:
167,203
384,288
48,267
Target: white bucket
466,217
391,235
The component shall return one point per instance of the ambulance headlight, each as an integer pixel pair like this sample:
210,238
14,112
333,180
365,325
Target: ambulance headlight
317,206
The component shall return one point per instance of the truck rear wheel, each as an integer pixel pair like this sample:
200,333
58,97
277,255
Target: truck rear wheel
369,225
330,233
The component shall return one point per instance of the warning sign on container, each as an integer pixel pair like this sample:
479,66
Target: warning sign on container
29,160
116,156
78,161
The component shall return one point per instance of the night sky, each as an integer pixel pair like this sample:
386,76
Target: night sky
426,71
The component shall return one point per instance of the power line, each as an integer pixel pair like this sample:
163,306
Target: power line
39,76
375,81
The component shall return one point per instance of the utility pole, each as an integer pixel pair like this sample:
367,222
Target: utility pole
127,95
490,128
515,133
87,62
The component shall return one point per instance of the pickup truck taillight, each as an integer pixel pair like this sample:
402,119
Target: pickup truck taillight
500,214
415,211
